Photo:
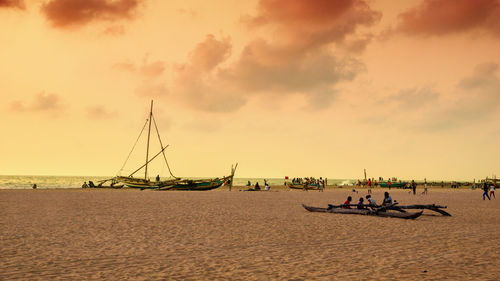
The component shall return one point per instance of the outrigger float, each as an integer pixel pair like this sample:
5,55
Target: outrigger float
380,211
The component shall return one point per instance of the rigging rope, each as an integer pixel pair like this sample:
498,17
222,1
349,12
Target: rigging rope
133,146
164,157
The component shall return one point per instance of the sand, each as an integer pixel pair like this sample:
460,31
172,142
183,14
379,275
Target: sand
217,235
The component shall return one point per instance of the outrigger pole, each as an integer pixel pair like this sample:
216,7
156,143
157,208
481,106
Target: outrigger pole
147,149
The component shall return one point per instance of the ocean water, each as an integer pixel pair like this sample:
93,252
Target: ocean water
53,182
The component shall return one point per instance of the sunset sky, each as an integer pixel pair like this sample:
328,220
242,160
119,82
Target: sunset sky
407,89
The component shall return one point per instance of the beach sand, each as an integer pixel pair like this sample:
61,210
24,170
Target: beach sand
148,235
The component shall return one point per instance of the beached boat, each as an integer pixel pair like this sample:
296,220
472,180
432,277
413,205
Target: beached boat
304,186
367,212
393,184
172,182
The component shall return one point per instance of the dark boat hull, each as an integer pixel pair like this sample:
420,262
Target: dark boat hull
303,186
367,212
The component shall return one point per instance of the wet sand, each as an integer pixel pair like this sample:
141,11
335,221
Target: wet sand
216,235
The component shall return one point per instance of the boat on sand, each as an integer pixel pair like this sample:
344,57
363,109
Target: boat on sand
380,212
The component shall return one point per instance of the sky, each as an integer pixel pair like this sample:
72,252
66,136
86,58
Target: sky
407,89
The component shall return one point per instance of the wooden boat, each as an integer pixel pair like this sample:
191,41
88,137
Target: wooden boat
172,182
304,186
204,184
393,184
367,212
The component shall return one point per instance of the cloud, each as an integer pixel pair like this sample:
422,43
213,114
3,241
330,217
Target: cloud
440,17
197,82
314,23
99,112
302,55
413,98
114,30
146,69
151,88
476,100
42,103
124,66
19,4
71,13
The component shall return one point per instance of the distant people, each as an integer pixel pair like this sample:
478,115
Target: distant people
257,186
266,188
157,178
34,186
414,187
389,183
485,191
371,201
91,184
492,190
347,203
249,183
425,189
387,199
85,185
360,203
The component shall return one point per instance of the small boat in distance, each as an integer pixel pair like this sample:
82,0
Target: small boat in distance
400,184
304,186
173,182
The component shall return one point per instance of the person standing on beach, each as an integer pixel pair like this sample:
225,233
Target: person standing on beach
492,190
425,188
369,186
485,191
389,183
414,187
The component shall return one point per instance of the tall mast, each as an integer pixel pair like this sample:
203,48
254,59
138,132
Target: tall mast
147,149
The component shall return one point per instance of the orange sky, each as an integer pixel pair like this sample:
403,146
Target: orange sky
409,89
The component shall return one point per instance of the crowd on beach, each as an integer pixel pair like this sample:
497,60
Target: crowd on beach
310,180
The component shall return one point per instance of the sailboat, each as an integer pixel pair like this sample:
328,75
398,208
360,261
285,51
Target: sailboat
173,182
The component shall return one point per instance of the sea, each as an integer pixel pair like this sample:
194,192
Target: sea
66,182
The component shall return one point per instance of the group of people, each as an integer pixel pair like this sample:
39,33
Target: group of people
371,201
257,186
90,184
491,189
310,180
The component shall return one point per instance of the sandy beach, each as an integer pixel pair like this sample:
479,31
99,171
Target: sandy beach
221,235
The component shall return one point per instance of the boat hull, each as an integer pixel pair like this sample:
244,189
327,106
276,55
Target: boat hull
367,212
303,186
394,184
198,185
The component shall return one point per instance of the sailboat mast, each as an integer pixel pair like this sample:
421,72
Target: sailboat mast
147,149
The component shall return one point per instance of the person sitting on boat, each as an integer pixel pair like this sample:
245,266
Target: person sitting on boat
257,186
347,203
387,199
360,203
371,201
91,184
85,185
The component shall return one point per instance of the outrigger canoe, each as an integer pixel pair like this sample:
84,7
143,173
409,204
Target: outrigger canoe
367,212
304,186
